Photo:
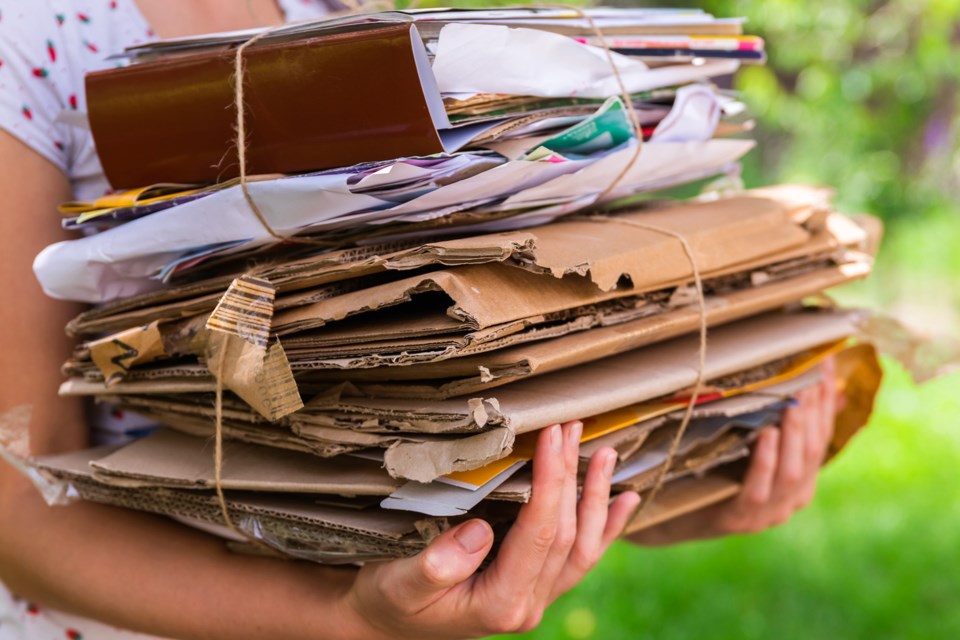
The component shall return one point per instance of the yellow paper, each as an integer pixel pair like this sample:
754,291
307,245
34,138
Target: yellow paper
605,423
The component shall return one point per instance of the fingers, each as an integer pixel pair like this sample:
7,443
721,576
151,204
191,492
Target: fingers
822,417
593,511
413,584
567,529
796,419
813,423
513,576
591,521
622,509
758,483
599,522
829,400
783,473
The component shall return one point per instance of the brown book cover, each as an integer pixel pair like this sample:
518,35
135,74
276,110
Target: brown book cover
312,103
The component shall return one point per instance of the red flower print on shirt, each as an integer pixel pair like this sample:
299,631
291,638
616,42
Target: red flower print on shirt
73,101
61,18
59,145
51,51
92,47
113,4
84,18
25,110
40,72
73,634
32,609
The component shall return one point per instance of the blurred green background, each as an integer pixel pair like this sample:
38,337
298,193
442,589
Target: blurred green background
861,96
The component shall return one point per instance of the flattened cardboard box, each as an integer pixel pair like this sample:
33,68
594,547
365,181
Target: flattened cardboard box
483,428
607,253
315,531
476,373
287,276
561,255
184,337
333,535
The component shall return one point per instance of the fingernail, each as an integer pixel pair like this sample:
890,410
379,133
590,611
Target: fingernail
556,438
609,463
576,430
472,536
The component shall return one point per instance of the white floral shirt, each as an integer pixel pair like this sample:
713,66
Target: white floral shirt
46,48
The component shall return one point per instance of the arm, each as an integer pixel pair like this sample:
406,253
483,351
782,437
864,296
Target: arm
780,481
86,558
149,574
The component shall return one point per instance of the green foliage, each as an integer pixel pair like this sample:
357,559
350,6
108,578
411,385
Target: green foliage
860,95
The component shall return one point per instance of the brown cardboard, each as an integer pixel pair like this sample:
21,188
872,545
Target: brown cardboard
486,291
171,459
684,496
302,273
239,353
612,382
476,373
413,430
604,254
296,525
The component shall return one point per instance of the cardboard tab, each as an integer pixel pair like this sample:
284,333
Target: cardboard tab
115,355
240,333
245,310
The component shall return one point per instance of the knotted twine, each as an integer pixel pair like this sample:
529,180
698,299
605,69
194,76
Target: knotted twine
241,142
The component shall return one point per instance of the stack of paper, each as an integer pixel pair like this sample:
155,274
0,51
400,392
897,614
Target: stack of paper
391,373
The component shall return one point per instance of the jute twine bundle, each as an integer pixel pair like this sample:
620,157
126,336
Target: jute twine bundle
242,141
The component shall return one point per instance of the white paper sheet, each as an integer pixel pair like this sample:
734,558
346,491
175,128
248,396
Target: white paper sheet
479,58
657,161
124,261
442,499
121,261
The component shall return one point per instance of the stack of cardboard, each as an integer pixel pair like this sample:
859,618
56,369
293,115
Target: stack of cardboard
395,377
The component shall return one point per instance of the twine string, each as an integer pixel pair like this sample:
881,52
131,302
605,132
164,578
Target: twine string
241,142
218,446
701,352
218,462
218,443
624,94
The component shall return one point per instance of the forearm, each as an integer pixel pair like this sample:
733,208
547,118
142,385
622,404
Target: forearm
149,574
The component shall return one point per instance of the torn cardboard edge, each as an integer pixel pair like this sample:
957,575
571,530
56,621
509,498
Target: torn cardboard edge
239,343
604,386
512,246
117,354
302,273
595,257
492,367
476,374
418,335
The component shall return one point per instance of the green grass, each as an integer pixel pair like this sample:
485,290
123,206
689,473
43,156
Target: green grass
877,555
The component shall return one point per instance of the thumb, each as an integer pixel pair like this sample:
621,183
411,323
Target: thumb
449,560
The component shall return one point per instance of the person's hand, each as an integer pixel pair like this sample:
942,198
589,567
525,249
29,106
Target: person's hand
781,478
554,542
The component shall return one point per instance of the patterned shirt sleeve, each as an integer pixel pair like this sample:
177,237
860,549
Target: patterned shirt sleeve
35,78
